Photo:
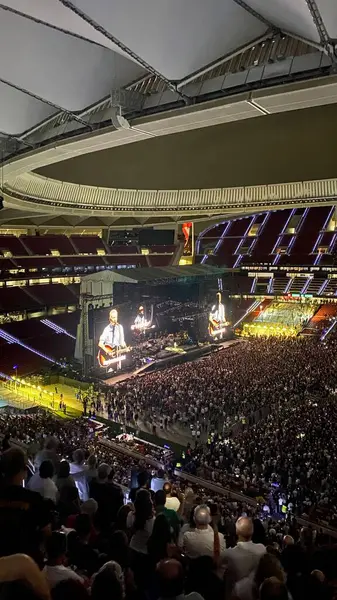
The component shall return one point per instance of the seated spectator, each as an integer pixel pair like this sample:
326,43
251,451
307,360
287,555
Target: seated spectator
24,516
273,589
203,540
172,502
157,483
64,481
78,471
159,540
171,515
245,557
55,569
170,581
108,496
248,587
108,583
43,483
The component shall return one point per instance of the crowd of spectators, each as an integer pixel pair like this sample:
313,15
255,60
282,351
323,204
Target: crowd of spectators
96,521
72,533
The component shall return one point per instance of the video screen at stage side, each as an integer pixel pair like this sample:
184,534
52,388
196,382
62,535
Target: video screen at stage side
142,324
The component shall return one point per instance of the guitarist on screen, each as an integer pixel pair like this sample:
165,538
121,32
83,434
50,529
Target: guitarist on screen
112,338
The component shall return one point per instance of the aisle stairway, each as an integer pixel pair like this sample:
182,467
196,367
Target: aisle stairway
320,320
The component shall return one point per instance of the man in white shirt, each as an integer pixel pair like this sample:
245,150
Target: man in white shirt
42,482
157,483
55,569
172,502
201,541
244,558
113,334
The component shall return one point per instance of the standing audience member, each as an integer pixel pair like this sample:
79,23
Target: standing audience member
43,483
172,502
64,481
108,496
244,558
24,516
78,470
108,583
159,540
55,569
203,540
170,581
157,483
171,515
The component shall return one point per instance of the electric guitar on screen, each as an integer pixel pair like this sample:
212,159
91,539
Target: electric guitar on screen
112,355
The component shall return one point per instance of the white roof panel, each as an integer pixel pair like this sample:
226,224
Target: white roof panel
69,54
289,15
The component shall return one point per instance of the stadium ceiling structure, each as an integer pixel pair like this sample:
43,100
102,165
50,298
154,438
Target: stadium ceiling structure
78,76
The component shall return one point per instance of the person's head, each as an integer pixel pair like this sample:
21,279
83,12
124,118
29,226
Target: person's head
56,548
78,457
89,507
269,566
288,540
46,470
50,443
113,316
92,461
273,589
13,466
83,526
167,488
170,578
122,516
108,582
160,498
143,508
244,529
160,473
142,479
103,472
202,516
64,469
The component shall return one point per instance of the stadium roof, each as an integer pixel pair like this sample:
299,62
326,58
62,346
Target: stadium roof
83,76
58,55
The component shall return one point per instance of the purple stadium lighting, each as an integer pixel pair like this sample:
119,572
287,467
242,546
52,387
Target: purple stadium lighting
57,328
10,339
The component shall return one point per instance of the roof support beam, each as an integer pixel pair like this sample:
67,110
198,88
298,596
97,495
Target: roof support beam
255,14
171,85
45,101
223,59
321,29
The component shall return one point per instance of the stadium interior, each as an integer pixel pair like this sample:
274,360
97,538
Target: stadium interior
168,300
